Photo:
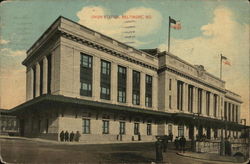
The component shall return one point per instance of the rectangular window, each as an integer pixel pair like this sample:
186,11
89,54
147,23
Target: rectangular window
215,105
199,100
41,77
136,128
170,129
229,112
34,82
105,79
149,129
236,119
49,73
170,84
170,104
86,126
181,130
233,112
207,103
105,127
215,133
86,75
225,110
136,88
148,90
179,95
190,98
122,79
122,127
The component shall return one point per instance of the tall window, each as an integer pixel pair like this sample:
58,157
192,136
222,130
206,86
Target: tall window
149,129
199,100
233,112
229,112
180,130
86,75
49,73
105,127
122,127
136,88
207,102
86,126
179,95
148,89
236,119
170,84
169,103
190,98
105,79
136,128
122,78
170,129
225,110
41,77
215,105
34,81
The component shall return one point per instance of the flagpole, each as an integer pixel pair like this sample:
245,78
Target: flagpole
221,66
169,34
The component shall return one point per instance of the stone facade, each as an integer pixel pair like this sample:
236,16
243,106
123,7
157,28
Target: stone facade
54,67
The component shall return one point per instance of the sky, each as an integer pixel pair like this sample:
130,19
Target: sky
209,28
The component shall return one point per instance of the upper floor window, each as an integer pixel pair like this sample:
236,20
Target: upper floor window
136,88
179,95
122,77
86,75
148,90
215,105
199,100
170,84
105,79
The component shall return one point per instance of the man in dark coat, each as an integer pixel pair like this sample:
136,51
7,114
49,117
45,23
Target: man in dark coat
71,136
176,143
66,136
171,137
77,136
182,144
158,150
62,136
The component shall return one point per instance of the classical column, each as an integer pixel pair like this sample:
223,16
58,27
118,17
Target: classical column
203,108
114,77
142,89
129,88
37,80
155,93
29,84
45,75
211,107
96,78
195,100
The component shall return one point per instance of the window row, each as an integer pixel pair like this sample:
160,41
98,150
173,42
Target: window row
86,80
86,123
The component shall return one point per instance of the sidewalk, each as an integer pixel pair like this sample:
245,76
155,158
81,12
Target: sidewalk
212,157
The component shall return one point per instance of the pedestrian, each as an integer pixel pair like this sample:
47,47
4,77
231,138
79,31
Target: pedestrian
165,143
62,136
66,136
139,136
182,144
158,150
77,136
171,136
71,136
176,143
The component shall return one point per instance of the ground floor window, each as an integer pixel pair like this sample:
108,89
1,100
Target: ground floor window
149,129
215,133
86,126
136,128
170,129
181,130
105,127
122,127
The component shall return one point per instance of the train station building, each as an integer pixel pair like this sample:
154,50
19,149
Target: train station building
78,79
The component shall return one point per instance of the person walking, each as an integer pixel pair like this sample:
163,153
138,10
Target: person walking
66,136
62,136
71,136
182,144
77,136
171,136
176,143
158,150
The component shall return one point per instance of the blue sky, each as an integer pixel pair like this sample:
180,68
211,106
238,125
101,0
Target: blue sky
209,27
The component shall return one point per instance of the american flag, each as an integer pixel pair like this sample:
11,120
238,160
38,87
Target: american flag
176,26
225,60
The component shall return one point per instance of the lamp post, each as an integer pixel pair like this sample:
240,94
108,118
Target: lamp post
244,128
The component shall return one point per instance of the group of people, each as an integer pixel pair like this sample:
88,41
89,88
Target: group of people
180,143
161,146
65,136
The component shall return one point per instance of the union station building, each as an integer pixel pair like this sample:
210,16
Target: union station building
78,79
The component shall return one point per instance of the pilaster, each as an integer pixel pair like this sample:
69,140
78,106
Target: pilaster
142,89
114,77
129,86
96,78
37,80
45,75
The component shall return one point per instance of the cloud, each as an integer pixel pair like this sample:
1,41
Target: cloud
12,53
223,35
101,20
2,41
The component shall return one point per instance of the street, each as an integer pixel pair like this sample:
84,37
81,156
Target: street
28,151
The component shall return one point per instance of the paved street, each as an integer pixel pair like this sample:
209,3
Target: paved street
28,151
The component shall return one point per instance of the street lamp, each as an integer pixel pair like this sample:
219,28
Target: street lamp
241,120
